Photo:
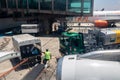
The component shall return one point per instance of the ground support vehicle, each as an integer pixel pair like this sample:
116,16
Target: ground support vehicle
30,28
71,43
27,29
25,46
28,47
94,39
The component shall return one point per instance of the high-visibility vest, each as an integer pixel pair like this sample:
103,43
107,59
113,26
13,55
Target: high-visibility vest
47,55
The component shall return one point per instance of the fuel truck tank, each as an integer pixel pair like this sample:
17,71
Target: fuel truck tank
101,23
96,65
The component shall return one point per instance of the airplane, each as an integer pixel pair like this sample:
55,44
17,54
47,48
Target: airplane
96,65
101,15
105,15
102,18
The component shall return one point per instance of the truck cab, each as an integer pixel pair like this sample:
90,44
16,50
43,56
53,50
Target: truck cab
71,43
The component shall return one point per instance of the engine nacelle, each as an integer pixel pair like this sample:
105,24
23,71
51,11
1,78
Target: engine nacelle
97,65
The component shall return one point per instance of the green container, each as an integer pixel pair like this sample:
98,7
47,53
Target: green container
72,43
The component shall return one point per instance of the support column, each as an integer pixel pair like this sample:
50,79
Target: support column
46,25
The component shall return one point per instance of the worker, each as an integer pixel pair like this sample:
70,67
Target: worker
47,56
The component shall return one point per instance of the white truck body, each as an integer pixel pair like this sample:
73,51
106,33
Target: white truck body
24,41
30,28
23,47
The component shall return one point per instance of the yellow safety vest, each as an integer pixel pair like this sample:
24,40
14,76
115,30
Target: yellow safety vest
47,55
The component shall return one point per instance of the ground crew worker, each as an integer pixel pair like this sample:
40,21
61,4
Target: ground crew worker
47,56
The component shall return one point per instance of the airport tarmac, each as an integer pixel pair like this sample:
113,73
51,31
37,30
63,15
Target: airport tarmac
51,43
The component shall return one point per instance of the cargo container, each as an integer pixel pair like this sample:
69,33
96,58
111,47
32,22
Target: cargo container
27,46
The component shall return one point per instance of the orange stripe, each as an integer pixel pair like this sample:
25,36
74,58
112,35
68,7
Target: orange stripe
7,72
